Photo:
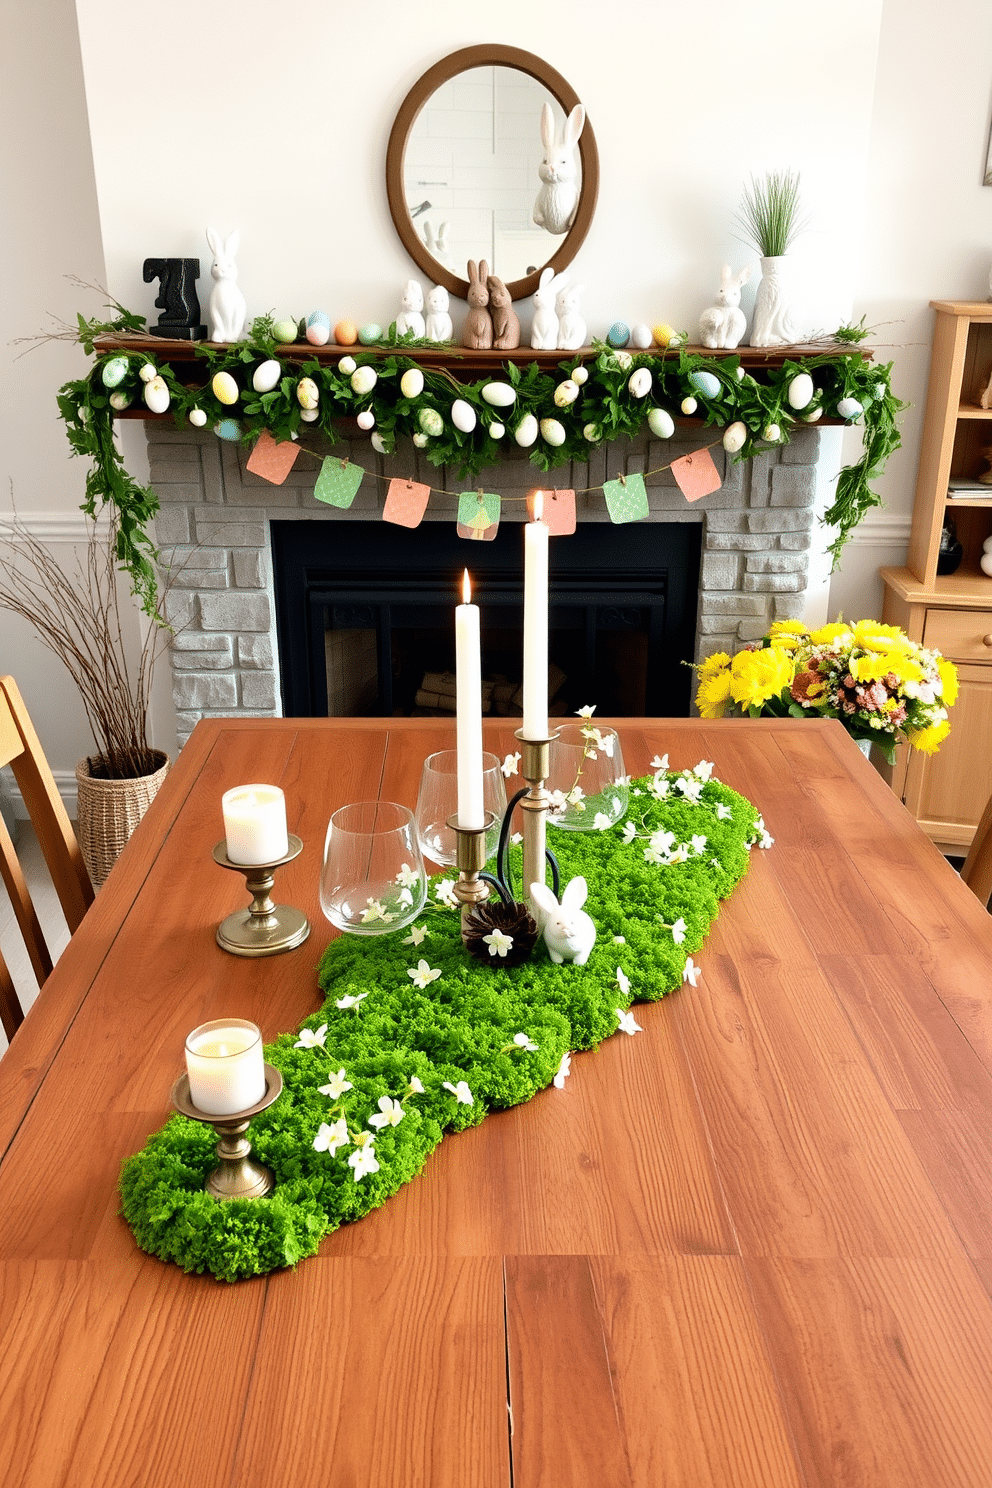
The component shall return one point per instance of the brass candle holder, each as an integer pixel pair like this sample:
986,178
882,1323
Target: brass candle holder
236,1176
470,859
264,928
535,762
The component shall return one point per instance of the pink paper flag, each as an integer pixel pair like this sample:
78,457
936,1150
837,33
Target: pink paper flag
271,460
559,513
696,475
406,503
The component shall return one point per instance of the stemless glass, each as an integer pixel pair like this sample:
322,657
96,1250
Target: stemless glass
589,790
373,879
438,799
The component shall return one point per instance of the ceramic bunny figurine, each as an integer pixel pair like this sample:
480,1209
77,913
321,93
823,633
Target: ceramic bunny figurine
438,319
411,316
723,324
506,323
571,326
558,197
477,332
544,326
227,303
437,243
569,933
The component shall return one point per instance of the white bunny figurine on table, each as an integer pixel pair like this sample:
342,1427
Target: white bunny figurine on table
723,324
558,197
411,316
571,326
438,320
227,304
569,933
544,326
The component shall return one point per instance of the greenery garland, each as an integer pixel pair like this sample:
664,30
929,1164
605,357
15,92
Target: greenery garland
601,404
414,1056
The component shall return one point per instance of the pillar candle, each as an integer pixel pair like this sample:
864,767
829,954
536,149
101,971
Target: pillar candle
255,824
468,675
226,1067
536,625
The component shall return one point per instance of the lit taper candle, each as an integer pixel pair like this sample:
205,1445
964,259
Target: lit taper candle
536,622
468,671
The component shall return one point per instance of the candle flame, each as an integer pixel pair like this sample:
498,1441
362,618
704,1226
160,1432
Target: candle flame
466,589
535,505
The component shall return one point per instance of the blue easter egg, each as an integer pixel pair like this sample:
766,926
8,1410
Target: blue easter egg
318,328
228,429
705,383
618,334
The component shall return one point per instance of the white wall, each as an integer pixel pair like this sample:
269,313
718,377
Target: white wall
250,116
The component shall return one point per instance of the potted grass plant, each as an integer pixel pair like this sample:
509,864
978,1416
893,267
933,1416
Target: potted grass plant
770,220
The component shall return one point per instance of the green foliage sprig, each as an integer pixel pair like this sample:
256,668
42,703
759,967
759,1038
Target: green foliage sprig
769,216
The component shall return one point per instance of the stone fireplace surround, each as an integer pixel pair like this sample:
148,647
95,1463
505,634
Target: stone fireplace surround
214,523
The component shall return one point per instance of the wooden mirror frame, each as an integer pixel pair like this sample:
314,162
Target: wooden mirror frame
417,98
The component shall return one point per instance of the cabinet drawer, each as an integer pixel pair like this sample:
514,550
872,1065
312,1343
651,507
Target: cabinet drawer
960,635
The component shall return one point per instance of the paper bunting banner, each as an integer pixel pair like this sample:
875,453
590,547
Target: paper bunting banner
271,460
406,502
626,498
338,481
559,513
478,515
696,475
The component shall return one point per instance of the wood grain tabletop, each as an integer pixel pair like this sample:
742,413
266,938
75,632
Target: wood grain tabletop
750,1248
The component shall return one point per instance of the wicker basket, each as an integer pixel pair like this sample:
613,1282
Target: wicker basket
108,812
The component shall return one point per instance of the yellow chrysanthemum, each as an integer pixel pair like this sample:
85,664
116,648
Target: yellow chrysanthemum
930,739
789,634
713,664
949,676
872,635
757,676
828,635
713,694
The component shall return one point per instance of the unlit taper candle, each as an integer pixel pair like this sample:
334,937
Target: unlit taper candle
536,623
468,675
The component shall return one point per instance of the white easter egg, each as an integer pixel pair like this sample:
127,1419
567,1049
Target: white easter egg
310,415
813,414
463,416
987,545
689,405
347,365
380,445
318,328
661,423
499,394
580,375
431,422
526,431
566,392
622,359
363,380
706,383
307,393
120,401
113,372
985,563
772,433
733,437
497,430
639,382
366,419
552,432
266,375
592,432
228,429
225,389
148,371
849,408
640,336
412,382
197,418
740,374
157,395
800,391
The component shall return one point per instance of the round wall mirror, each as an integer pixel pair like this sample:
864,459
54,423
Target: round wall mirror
462,169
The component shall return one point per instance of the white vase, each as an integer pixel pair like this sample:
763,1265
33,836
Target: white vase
772,324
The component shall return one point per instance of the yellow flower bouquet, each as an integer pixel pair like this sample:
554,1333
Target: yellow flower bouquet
884,688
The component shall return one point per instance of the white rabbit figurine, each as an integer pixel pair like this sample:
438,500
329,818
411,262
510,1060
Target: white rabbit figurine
438,320
411,316
571,326
227,303
723,324
558,197
544,326
569,933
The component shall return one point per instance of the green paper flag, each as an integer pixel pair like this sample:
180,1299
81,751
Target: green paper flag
338,481
478,515
626,498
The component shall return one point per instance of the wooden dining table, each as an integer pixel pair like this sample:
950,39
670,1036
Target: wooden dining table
749,1247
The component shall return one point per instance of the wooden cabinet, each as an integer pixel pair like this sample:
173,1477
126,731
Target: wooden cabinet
947,792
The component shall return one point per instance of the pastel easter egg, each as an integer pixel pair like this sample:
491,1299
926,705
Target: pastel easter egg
366,419
987,545
497,430
733,437
157,395
363,380
581,375
380,445
592,432
623,360
463,416
310,415
664,334
346,333
772,433
266,375
307,393
120,400
618,334
370,334
689,405
499,394
639,382
661,423
284,331
318,328
420,440
566,392
849,408
197,418
812,414
552,432
113,372
706,383
228,429
800,391
640,336
985,564
148,371
431,422
347,365
225,389
412,382
526,431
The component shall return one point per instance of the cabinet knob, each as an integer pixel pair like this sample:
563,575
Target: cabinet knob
987,640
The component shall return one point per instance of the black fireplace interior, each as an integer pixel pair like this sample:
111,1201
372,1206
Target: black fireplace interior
365,616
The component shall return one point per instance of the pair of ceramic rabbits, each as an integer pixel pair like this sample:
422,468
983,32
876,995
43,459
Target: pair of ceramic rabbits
493,322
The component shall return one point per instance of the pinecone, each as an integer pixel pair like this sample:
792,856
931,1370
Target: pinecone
514,920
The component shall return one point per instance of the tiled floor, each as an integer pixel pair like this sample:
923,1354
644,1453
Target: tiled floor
49,913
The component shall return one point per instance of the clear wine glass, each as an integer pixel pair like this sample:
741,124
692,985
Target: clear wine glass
437,800
373,879
589,790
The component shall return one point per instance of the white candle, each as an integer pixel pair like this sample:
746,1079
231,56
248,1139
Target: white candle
255,824
536,625
468,673
225,1066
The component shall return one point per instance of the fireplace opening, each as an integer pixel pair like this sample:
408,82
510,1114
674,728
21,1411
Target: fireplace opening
365,617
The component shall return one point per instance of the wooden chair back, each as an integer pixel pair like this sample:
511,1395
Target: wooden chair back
22,751
977,869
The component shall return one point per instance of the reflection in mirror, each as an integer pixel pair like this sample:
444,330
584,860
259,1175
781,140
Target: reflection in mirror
470,172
